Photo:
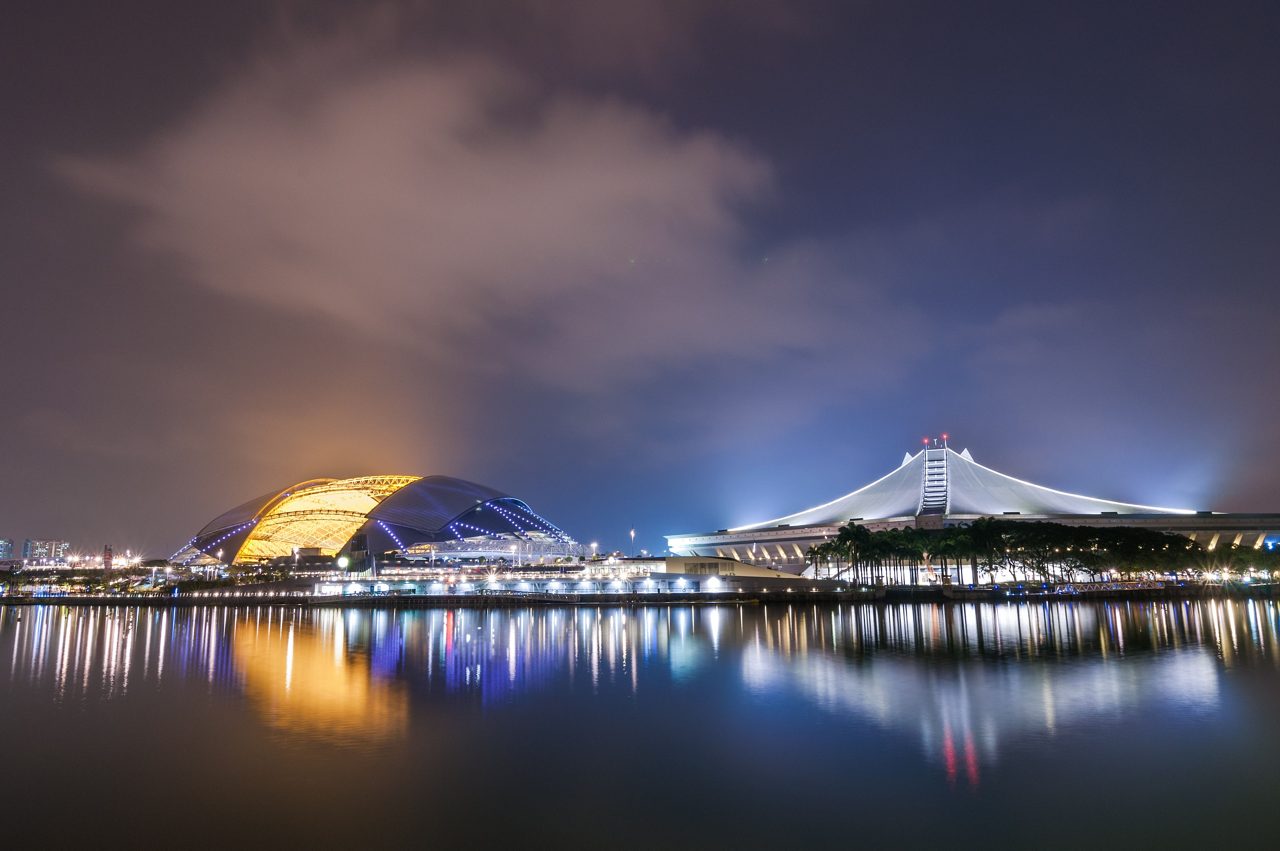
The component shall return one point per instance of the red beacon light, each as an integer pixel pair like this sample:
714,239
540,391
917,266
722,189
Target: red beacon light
946,436
925,441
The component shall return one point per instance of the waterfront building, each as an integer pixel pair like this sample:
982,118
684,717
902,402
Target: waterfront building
45,552
428,518
938,487
6,548
669,575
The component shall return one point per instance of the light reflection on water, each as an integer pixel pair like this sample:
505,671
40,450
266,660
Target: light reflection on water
969,689
333,672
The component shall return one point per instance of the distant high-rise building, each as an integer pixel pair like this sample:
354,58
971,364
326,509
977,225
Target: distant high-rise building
106,557
6,548
45,552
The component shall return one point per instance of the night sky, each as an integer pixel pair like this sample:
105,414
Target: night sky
672,266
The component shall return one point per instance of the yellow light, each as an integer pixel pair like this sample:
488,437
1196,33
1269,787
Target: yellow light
300,687
323,516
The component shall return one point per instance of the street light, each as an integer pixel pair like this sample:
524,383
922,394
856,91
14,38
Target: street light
633,541
594,546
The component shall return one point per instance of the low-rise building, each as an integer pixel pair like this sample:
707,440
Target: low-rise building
674,575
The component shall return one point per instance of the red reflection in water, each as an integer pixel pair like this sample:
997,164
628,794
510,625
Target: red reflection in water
970,760
949,755
949,759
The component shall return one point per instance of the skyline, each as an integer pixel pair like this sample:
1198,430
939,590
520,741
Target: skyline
678,267
80,549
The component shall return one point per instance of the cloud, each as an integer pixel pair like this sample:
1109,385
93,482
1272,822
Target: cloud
494,231
468,239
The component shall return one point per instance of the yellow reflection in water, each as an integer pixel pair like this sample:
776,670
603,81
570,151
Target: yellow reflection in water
294,677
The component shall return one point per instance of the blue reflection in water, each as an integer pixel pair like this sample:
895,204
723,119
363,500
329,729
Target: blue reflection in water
962,681
743,726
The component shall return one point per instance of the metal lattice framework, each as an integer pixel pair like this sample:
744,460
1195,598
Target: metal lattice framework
322,517
378,514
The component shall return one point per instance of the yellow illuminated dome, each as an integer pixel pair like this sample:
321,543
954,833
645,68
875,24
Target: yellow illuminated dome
322,517
404,514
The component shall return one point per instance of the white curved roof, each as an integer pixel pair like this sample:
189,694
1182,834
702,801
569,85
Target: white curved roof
975,489
970,488
894,495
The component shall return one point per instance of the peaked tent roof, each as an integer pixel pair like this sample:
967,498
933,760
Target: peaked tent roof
970,489
894,495
975,489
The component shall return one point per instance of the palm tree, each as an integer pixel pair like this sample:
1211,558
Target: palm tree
988,544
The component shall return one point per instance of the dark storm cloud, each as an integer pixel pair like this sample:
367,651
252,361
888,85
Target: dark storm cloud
659,264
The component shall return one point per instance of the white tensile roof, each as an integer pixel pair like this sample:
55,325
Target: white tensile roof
970,488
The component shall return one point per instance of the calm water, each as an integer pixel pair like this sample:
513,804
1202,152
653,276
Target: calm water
1001,725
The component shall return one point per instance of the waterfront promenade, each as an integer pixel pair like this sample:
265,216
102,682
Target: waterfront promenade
1025,592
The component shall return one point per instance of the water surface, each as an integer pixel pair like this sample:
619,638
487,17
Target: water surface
1009,725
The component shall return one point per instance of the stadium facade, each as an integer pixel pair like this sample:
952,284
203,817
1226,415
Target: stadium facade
428,517
938,487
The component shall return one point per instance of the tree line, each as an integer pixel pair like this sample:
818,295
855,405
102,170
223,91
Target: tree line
1028,551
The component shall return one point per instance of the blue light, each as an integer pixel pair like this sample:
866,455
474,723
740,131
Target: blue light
399,544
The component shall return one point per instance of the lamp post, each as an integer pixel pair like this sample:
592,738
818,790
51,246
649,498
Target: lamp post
594,545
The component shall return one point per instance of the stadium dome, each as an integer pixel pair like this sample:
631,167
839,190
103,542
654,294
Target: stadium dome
412,515
939,487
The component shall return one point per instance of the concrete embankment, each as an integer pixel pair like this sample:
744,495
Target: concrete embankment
1085,591
436,601
891,594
